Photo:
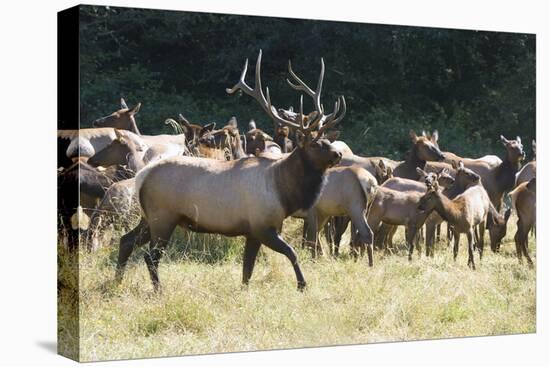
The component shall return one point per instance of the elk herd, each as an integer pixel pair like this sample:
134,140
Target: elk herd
222,181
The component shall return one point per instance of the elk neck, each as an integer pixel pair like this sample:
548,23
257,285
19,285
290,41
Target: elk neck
447,209
407,169
506,173
297,181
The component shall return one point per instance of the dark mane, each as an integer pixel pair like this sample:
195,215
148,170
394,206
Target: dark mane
299,184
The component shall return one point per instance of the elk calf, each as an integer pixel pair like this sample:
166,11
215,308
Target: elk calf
464,213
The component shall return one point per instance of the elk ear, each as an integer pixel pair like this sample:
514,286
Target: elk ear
518,139
232,121
424,133
444,171
206,128
332,135
389,172
123,104
435,136
504,140
421,172
381,164
135,109
413,136
461,165
454,165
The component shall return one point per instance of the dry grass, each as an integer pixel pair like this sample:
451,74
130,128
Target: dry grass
204,309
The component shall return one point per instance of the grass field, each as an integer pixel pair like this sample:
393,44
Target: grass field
204,308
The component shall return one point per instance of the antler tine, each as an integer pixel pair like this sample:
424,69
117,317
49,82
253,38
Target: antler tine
241,84
303,87
301,115
333,119
258,94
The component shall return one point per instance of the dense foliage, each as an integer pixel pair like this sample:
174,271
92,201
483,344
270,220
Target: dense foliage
471,85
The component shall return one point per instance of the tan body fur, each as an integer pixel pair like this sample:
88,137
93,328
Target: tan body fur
352,201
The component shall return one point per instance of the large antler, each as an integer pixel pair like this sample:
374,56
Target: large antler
258,94
265,100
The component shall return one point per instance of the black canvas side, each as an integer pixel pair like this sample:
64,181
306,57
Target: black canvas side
68,334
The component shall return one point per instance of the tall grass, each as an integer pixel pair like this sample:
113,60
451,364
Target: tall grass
204,308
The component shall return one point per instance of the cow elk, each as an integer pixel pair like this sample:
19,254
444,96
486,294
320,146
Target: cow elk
246,197
333,201
423,150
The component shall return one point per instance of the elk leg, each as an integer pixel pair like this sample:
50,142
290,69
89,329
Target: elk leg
388,240
517,239
329,230
365,237
137,236
456,236
312,237
250,252
411,232
481,239
161,232
304,233
431,233
340,226
271,239
470,237
437,233
524,249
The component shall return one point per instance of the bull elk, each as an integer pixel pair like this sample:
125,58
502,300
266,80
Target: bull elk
248,197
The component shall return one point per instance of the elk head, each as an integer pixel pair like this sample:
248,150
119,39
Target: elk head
315,151
382,172
431,198
445,178
425,147
121,119
514,150
497,226
118,152
465,177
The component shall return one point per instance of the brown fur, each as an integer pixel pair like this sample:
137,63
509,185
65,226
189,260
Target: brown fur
422,150
465,212
351,202
524,200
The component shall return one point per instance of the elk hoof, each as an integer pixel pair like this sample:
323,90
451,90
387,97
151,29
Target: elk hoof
301,286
